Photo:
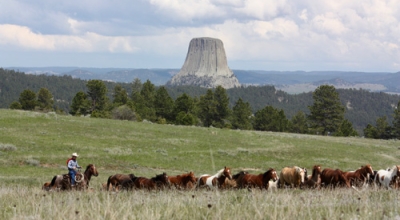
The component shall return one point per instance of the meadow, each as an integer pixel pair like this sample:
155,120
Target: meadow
35,146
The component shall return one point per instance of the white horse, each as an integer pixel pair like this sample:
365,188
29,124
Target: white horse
384,177
216,180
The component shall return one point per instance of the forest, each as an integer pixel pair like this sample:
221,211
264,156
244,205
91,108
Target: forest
361,106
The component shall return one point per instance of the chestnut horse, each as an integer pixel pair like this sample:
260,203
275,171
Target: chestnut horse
333,178
183,181
261,181
314,179
115,181
360,175
159,181
215,180
386,177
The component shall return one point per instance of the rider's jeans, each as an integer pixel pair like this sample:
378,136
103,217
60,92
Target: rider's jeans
72,175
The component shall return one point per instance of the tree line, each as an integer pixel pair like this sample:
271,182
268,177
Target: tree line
147,102
362,107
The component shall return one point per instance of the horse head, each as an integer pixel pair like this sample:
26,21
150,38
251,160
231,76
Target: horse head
227,172
161,179
91,170
270,175
191,178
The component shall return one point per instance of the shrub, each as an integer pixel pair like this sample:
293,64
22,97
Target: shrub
7,147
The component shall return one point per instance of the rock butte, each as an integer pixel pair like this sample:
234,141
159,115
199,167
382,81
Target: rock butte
205,66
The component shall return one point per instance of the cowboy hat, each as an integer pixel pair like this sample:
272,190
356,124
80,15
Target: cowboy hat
75,155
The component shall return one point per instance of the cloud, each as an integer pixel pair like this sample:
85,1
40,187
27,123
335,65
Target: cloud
264,34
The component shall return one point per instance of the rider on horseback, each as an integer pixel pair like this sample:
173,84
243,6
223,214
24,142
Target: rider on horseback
72,168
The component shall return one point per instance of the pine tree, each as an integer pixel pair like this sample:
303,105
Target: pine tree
327,113
45,99
207,108
346,129
163,104
28,99
270,119
222,106
80,104
299,123
97,92
396,121
120,95
241,115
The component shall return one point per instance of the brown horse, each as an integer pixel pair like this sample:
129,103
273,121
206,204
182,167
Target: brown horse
128,184
232,184
183,181
333,178
82,182
314,179
159,181
360,176
261,181
115,181
215,180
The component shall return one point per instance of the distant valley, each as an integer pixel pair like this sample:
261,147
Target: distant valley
292,82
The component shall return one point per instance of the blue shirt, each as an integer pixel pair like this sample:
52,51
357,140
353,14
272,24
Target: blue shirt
72,164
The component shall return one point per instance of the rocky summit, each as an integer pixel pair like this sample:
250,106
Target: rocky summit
205,66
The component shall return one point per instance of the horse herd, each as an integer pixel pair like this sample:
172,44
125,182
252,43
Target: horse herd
289,177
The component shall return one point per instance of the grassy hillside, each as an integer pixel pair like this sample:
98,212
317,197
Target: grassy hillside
41,143
35,146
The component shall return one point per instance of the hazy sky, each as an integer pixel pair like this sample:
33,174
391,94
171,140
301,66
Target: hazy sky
257,34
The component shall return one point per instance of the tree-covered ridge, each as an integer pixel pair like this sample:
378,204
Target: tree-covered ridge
361,106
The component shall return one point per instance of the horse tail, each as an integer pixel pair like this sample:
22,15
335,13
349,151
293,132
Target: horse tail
109,182
53,181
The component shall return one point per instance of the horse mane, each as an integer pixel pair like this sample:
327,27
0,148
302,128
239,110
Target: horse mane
314,170
219,173
268,171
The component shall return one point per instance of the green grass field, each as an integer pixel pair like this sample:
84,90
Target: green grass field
34,147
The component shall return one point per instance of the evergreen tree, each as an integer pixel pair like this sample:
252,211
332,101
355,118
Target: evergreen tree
396,121
144,101
183,110
346,129
120,95
222,106
163,104
327,113
45,99
370,131
136,88
97,92
270,119
241,115
207,108
28,99
299,123
15,105
80,104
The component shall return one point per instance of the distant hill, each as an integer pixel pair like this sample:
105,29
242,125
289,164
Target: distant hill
293,82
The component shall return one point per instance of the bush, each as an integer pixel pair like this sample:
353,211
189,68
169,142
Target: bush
7,147
15,105
123,112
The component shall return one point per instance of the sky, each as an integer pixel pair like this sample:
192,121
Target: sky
272,35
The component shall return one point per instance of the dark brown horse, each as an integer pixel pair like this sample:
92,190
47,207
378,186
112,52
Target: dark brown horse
333,178
360,176
183,181
314,179
232,184
82,180
261,181
159,181
215,180
129,184
115,181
